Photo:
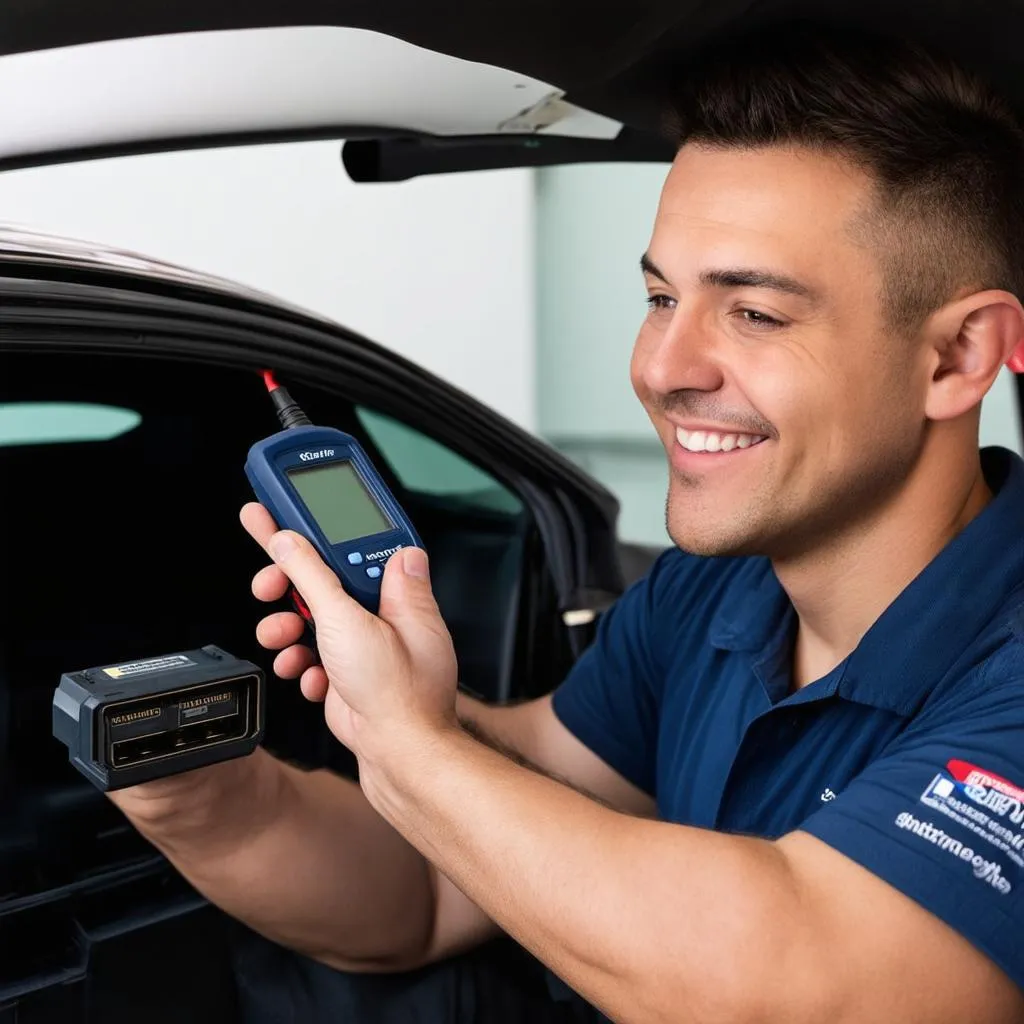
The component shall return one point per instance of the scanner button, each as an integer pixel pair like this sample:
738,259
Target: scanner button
373,572
355,558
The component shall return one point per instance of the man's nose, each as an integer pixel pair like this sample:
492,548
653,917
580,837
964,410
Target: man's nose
684,357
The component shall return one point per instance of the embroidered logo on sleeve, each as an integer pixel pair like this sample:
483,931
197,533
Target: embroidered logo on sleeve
985,870
987,806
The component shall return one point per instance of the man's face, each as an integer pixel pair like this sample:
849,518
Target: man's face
788,408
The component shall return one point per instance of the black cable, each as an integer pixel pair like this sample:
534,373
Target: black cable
288,410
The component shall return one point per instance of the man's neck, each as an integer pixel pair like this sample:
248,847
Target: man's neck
840,590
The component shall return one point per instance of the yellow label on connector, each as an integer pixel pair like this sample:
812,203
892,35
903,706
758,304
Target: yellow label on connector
138,668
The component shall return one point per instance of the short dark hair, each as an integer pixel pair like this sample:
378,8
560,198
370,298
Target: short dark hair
946,153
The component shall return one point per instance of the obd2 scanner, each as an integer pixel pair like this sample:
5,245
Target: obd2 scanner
320,483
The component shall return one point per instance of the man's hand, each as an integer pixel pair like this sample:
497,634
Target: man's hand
383,678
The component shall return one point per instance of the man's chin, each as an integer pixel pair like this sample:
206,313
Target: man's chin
696,539
707,549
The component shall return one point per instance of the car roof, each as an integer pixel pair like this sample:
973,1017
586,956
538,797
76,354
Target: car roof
553,80
49,255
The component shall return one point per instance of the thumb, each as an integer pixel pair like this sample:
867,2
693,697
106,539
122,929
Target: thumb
407,601
314,580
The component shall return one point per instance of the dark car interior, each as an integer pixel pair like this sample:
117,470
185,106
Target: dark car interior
129,546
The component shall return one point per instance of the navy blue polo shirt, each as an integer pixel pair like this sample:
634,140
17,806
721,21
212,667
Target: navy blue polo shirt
908,757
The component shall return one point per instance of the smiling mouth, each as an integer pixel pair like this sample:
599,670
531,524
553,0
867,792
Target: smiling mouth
716,441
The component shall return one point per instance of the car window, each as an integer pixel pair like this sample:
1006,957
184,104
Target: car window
63,422
125,509
476,531
428,467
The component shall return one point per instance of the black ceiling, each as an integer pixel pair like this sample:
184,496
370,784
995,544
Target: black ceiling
612,58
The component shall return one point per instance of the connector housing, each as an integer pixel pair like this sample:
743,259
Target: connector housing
138,721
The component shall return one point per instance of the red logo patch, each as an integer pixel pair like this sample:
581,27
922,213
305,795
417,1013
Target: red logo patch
971,775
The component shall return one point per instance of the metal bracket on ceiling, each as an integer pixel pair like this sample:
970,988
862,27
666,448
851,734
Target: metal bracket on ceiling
547,111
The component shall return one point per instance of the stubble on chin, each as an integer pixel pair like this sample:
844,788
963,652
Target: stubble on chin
707,534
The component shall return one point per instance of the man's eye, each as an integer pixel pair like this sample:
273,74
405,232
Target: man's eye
755,318
659,302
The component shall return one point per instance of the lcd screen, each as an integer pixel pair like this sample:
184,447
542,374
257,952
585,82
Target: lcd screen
339,501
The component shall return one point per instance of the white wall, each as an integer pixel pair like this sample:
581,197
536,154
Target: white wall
593,223
439,269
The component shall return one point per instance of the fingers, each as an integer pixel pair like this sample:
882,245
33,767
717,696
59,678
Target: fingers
280,630
297,663
405,588
293,661
270,584
315,581
314,684
407,603
258,522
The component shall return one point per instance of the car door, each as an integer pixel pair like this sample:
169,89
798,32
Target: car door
127,405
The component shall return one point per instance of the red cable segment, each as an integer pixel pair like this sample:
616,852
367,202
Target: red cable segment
288,412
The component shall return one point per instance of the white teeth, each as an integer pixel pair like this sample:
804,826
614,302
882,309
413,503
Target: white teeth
712,441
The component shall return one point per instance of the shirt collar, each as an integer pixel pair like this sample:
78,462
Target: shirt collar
929,625
752,609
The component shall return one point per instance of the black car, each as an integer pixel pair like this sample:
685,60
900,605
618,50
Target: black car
132,393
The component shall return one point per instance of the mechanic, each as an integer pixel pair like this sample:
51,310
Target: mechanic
786,782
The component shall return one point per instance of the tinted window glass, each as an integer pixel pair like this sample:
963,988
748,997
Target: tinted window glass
63,422
424,465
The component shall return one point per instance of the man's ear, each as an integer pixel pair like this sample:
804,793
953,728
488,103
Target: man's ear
970,340
1016,361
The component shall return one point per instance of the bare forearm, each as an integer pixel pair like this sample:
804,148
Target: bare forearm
479,720
531,736
300,857
562,875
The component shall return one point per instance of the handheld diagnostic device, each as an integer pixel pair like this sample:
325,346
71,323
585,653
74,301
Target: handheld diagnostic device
320,483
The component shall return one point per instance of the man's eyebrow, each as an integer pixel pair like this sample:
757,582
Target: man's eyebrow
740,277
751,277
648,266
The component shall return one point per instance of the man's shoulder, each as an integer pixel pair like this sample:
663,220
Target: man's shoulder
1000,648
991,670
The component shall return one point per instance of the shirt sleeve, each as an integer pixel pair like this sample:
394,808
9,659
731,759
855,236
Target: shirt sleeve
611,697
941,818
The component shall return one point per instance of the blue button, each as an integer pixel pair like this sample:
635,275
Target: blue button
355,558
373,572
